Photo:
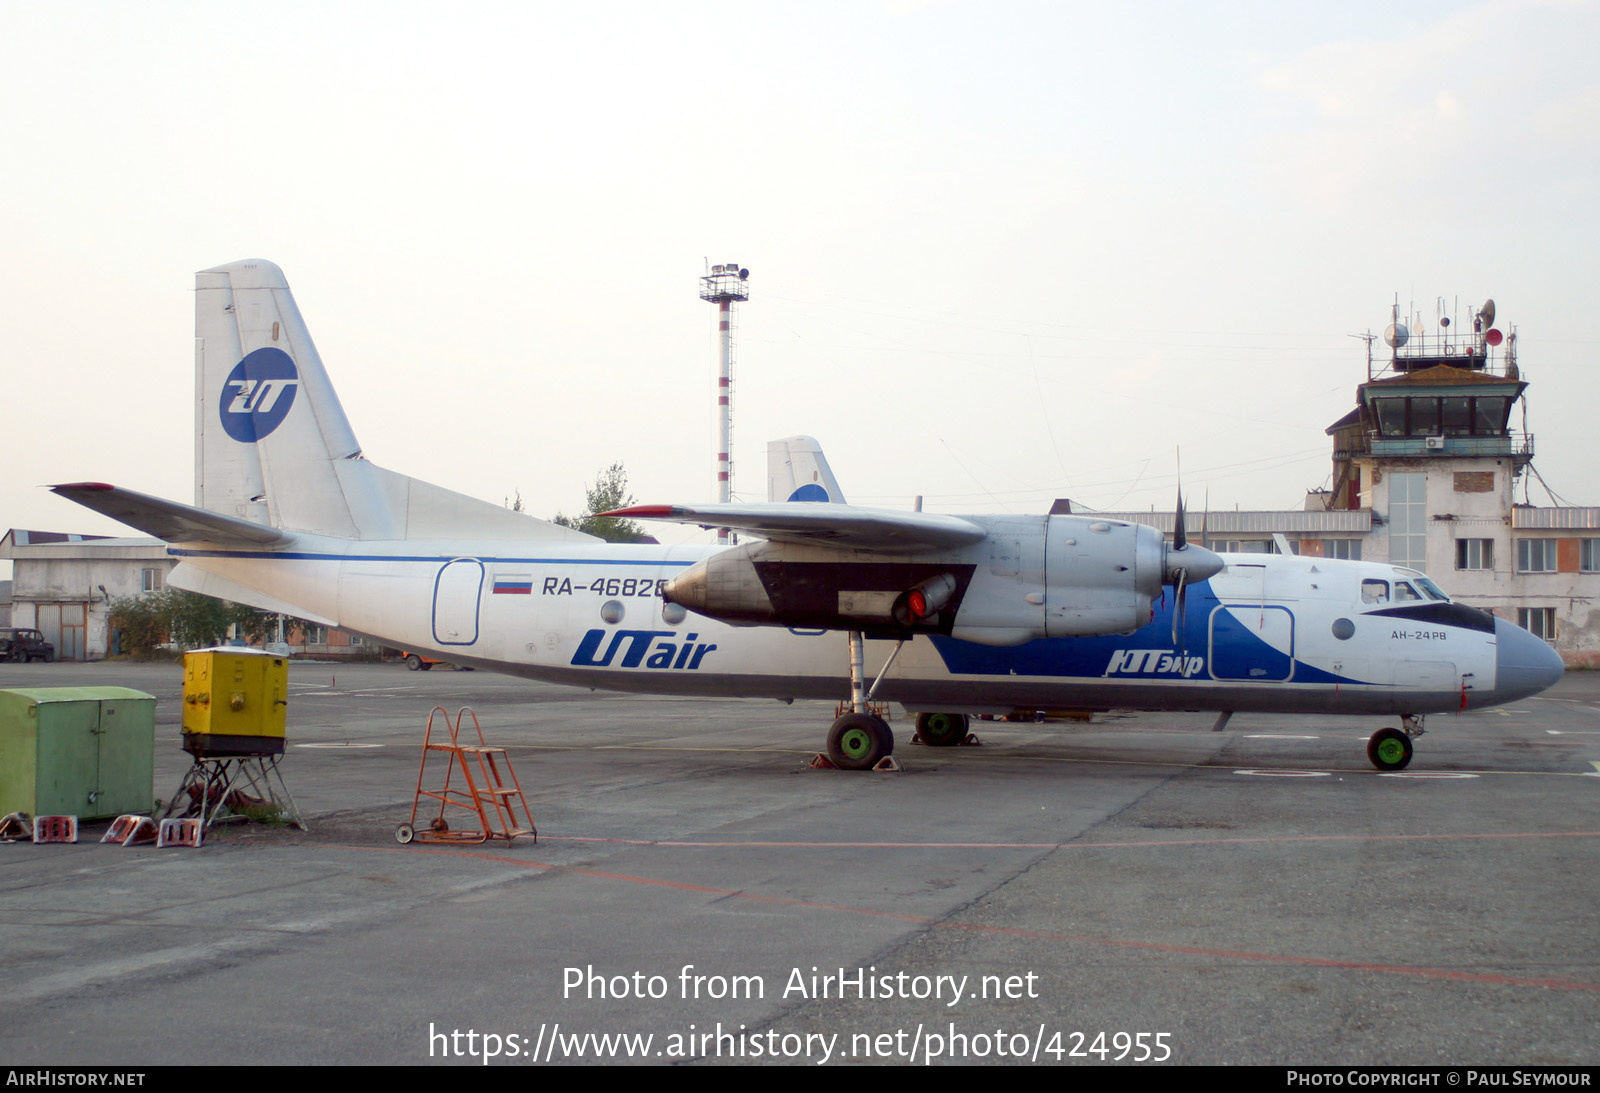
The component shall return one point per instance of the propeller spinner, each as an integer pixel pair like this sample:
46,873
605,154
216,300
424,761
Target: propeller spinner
1183,565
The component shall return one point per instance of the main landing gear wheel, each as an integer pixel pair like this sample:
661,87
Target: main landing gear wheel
1389,749
942,730
413,663
857,741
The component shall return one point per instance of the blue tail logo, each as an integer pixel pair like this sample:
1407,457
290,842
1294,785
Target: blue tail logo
258,394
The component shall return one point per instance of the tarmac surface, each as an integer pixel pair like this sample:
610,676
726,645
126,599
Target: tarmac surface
1136,887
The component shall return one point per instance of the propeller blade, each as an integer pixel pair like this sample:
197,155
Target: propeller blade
1180,601
1179,538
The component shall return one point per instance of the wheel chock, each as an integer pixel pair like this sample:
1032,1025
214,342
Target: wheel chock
820,761
16,827
55,829
180,832
969,741
131,829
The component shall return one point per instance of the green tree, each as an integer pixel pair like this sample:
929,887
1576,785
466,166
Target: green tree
610,491
189,619
142,622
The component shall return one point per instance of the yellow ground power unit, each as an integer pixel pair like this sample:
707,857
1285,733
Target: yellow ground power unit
235,702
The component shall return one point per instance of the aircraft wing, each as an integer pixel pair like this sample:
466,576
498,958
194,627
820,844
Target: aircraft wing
849,527
169,520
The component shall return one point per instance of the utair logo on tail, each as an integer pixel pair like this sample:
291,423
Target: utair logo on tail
258,394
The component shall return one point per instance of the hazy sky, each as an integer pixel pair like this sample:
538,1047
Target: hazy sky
1000,252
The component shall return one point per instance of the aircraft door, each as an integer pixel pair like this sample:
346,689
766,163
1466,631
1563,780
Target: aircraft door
457,591
1252,642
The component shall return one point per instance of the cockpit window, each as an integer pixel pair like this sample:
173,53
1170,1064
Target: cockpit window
1404,593
1374,591
1431,590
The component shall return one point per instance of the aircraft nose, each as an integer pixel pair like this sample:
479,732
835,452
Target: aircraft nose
1524,664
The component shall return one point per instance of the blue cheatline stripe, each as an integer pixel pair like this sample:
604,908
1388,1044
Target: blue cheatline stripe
300,556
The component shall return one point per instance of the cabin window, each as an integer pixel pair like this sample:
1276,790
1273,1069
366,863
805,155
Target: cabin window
1536,555
1374,591
1404,593
1474,553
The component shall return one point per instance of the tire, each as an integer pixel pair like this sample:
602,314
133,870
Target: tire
404,833
942,730
857,741
413,662
426,667
1389,749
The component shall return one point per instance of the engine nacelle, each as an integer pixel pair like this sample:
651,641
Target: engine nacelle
1031,577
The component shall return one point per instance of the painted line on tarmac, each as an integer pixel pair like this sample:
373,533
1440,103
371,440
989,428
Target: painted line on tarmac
952,753
1157,843
1555,983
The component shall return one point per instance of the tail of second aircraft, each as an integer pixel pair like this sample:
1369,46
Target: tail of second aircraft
798,471
273,446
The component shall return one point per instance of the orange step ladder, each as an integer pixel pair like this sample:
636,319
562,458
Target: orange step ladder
478,780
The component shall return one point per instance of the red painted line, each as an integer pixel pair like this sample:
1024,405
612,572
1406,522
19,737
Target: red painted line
1558,983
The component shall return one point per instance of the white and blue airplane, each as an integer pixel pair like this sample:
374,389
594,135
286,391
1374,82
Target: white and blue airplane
1013,612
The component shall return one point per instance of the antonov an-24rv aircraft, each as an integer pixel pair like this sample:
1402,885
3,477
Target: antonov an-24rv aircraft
1012,612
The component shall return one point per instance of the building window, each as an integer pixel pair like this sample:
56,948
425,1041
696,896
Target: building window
1408,520
1536,555
1589,555
316,635
1243,546
150,580
1348,549
1474,553
1538,621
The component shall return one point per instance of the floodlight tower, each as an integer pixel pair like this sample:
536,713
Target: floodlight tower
723,286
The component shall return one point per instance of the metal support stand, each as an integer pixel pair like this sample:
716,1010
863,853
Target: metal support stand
235,787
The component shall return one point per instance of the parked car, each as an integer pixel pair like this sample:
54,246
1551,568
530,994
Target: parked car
19,645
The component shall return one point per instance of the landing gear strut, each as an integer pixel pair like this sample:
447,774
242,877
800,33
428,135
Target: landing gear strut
860,740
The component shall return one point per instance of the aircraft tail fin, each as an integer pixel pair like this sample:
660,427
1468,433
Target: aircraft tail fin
798,471
273,445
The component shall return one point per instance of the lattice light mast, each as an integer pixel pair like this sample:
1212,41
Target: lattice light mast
724,285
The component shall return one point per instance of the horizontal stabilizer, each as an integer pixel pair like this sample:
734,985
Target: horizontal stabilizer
192,578
847,526
169,520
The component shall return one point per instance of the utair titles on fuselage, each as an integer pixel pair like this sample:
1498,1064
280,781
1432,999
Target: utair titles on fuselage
946,615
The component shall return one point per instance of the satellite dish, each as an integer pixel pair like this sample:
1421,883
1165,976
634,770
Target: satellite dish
1486,313
744,275
1494,337
1445,321
1396,336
